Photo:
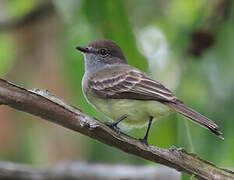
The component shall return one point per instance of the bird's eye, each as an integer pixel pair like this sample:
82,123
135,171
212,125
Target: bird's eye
103,52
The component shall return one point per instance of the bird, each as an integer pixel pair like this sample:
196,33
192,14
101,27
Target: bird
127,95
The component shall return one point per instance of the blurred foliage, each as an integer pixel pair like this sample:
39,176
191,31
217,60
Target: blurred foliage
6,55
43,55
19,8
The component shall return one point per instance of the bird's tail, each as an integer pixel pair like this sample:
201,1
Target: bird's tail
196,117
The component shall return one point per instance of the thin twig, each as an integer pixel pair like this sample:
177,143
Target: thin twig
84,170
188,133
71,118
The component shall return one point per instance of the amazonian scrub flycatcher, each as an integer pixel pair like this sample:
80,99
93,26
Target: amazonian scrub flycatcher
124,93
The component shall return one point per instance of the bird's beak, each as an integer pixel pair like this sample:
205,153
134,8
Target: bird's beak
83,49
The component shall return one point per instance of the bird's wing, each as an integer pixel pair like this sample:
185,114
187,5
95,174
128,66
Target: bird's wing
131,83
128,83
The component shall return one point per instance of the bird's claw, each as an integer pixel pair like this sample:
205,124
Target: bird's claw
174,148
113,126
144,141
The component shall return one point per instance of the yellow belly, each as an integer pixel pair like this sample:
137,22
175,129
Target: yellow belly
138,112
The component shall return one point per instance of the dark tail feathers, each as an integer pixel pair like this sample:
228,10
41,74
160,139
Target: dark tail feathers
196,117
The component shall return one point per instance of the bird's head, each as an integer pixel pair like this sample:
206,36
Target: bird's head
101,53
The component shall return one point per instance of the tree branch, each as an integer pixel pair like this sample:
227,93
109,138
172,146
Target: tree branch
57,111
83,170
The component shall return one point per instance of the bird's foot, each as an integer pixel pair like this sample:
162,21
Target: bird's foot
174,148
144,141
113,126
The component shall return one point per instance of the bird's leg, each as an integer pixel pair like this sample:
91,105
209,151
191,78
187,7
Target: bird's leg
144,140
114,124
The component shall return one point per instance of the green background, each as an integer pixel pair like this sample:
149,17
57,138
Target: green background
155,36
